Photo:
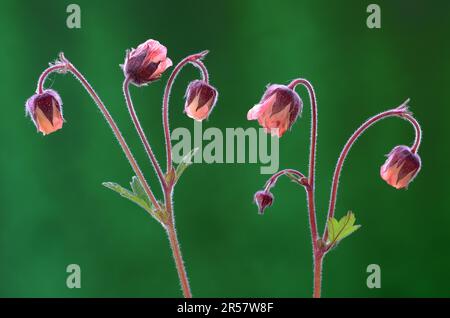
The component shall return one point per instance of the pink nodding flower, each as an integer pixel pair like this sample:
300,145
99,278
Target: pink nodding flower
401,167
278,109
146,63
45,110
263,200
200,100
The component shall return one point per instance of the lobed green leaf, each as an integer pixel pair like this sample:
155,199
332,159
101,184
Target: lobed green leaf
137,195
338,230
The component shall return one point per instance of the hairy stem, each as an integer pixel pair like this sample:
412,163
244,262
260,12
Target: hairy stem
417,130
313,145
174,244
203,70
311,178
274,178
312,156
194,59
402,112
53,68
140,131
312,218
318,260
65,65
176,251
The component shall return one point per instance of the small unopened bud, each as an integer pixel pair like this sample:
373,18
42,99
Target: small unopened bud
263,199
401,167
45,110
278,109
200,100
146,63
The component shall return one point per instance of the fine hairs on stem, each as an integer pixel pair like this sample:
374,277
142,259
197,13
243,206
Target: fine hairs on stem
401,167
142,136
142,66
402,112
195,60
277,111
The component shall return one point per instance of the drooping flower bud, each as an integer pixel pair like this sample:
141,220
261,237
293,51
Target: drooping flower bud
200,100
401,167
263,199
45,110
146,63
278,109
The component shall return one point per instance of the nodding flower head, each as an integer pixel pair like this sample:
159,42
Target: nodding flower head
278,109
263,199
146,63
45,110
200,100
401,167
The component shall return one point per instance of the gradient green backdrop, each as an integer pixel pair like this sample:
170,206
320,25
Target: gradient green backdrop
54,211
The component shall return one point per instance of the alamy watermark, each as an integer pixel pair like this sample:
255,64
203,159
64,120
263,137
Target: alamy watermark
235,145
374,279
74,278
374,19
73,20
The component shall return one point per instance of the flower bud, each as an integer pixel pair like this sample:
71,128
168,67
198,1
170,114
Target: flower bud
146,63
263,199
278,109
45,111
401,166
200,100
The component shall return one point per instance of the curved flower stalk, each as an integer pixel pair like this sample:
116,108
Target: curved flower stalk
142,66
277,113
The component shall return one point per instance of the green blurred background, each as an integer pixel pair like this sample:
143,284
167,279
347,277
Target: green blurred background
54,211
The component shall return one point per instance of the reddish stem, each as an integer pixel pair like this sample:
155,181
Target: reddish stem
318,261
170,225
317,254
199,64
46,73
313,145
418,132
194,59
176,251
174,244
274,178
66,65
138,126
311,184
401,111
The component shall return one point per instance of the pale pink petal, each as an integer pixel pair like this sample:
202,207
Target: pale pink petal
254,112
165,64
156,52
200,113
261,110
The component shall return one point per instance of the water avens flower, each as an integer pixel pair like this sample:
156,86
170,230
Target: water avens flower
45,110
263,200
401,167
142,65
278,109
146,63
200,100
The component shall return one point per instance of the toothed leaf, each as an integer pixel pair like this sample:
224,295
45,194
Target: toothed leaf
338,230
139,191
137,196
